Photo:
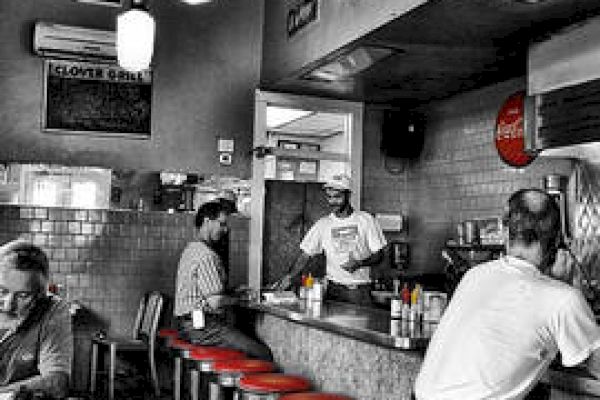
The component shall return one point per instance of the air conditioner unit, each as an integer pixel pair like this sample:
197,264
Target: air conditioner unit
71,42
563,83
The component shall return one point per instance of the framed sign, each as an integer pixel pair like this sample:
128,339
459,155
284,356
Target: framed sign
96,99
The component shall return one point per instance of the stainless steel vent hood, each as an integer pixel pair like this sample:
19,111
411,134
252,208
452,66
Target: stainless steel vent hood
563,82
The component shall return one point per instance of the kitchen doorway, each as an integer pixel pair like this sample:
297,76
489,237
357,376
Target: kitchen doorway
299,142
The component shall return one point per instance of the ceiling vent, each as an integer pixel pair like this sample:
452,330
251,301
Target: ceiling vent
350,64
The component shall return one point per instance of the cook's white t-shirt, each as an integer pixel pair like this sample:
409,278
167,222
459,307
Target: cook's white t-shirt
358,234
505,324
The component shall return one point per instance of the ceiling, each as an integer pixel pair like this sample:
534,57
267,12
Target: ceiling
443,48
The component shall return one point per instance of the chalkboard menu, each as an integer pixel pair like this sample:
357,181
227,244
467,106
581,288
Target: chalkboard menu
98,99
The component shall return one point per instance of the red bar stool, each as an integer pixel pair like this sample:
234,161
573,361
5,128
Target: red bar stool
314,396
166,335
270,386
229,373
180,350
204,358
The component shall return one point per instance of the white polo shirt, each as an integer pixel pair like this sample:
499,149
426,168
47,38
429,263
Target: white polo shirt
359,234
505,324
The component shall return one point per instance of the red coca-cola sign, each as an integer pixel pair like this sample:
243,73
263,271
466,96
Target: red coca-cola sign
509,136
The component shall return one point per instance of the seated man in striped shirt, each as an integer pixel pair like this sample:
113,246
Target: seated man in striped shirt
201,281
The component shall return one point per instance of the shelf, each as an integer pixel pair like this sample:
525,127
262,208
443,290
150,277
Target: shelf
477,247
309,154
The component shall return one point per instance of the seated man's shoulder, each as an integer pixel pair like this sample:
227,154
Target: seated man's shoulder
557,286
58,308
195,250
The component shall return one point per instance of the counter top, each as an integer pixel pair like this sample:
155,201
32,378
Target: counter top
363,323
573,380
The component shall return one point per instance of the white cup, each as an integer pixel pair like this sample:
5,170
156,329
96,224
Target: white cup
317,291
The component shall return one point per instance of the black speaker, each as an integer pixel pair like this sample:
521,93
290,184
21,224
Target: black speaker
402,134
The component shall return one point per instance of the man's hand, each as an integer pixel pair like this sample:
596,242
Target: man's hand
283,284
564,267
218,301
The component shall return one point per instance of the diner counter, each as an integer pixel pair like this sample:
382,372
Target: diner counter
342,348
320,342
575,381
371,325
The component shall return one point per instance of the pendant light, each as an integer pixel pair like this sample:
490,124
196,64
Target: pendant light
135,37
196,2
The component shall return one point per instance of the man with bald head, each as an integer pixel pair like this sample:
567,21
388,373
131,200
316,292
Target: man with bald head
36,340
509,318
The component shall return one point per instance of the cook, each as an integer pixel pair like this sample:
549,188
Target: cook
352,241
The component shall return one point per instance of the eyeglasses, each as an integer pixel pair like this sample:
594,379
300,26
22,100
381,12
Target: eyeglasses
23,297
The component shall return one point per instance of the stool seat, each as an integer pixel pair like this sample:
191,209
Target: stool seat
243,366
314,396
168,333
211,353
274,383
180,344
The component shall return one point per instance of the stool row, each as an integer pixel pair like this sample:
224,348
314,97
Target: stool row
221,373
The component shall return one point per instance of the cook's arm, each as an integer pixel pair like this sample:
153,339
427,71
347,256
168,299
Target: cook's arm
374,259
299,266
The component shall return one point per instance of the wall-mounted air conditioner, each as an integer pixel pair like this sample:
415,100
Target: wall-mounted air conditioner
563,84
71,42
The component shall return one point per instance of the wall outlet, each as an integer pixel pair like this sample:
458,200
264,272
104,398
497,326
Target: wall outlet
225,158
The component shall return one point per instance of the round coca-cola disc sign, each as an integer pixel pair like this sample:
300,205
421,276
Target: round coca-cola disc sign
509,136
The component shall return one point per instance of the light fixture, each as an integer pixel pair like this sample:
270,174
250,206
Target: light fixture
135,37
351,63
278,116
196,2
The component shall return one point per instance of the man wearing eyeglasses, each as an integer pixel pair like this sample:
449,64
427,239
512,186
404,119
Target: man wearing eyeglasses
36,340
352,241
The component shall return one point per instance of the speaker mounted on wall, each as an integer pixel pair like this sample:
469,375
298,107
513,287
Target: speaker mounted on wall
402,134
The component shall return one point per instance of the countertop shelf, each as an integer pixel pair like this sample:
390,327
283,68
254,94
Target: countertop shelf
476,247
363,323
309,154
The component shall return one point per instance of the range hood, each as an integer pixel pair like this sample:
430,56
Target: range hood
563,85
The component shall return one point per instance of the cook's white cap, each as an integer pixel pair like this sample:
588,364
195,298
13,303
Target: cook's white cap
339,182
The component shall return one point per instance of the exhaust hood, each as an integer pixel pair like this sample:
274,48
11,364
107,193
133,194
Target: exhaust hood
563,82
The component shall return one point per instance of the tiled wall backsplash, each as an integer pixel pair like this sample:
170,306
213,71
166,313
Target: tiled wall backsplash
107,259
458,176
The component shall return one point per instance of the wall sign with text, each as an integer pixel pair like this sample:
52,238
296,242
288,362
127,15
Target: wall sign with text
301,15
97,99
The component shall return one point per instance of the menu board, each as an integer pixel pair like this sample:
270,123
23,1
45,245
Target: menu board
96,99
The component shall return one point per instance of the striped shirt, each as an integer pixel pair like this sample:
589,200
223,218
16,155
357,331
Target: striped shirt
200,275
